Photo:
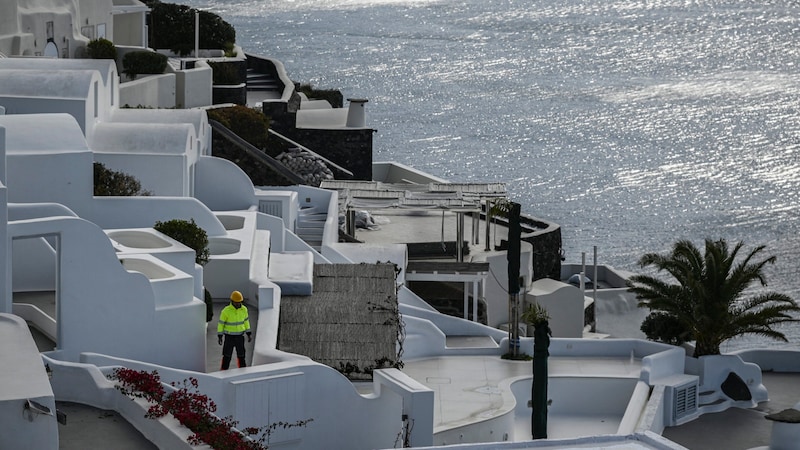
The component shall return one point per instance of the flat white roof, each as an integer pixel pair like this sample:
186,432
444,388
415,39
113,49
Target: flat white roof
468,388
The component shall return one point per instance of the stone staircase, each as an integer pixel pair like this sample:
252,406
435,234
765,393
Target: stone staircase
310,226
712,401
266,85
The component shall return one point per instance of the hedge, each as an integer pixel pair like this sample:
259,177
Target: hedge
224,74
188,233
250,124
143,62
101,49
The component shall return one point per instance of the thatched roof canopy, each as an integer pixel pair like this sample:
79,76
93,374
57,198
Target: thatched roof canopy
350,323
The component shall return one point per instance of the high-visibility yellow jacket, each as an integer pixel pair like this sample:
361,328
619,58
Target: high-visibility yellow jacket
233,321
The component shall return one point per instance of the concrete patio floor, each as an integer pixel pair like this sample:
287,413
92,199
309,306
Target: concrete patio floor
470,388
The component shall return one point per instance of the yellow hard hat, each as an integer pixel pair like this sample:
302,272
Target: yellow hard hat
236,296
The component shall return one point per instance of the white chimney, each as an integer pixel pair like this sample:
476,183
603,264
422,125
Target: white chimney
356,115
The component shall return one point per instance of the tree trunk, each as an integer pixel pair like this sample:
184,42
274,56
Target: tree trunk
512,256
703,348
541,346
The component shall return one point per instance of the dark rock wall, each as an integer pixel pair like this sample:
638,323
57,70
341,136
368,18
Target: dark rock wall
229,94
546,253
349,148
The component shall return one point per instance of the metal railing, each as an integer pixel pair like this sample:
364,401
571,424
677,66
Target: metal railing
253,151
306,149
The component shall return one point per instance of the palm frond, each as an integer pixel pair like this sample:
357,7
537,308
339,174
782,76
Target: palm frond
707,295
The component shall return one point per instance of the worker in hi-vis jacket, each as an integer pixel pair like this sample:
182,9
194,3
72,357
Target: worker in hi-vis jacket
233,324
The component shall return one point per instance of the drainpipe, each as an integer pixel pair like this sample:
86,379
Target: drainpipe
196,34
356,116
459,236
489,204
594,285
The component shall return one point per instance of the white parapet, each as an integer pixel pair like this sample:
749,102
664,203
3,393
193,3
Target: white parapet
27,403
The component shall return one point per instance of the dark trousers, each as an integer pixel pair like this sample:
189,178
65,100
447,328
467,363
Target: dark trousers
233,341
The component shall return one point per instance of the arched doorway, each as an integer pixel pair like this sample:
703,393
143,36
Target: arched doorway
51,50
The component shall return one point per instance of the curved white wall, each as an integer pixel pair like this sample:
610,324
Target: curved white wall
144,212
222,185
23,377
93,284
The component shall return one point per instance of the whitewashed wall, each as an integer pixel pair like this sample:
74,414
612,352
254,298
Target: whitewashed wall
106,68
193,86
94,284
342,418
55,166
64,178
233,264
23,377
222,185
129,29
75,92
497,287
5,281
564,304
139,212
152,91
197,118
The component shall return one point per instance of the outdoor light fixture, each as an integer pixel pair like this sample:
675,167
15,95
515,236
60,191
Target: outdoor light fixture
33,407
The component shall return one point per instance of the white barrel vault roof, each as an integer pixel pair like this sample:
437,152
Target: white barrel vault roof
66,84
105,67
143,138
53,133
195,117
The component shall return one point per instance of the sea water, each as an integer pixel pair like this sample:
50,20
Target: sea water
631,123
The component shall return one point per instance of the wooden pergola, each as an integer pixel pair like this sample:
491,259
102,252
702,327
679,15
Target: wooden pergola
460,198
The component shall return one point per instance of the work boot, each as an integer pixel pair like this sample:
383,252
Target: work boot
226,362
242,363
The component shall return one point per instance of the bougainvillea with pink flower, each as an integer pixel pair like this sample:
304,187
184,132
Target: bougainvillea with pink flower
195,411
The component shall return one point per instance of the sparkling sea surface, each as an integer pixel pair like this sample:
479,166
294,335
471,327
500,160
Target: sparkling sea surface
630,123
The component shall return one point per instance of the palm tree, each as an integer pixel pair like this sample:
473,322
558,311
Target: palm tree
708,303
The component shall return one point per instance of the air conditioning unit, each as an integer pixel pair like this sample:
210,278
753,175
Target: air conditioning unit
271,207
684,401
281,204
681,399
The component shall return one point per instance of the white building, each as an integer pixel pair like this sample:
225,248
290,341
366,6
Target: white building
108,290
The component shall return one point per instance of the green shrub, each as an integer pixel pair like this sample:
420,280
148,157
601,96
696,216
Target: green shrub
109,182
666,328
101,49
250,124
230,51
172,27
143,62
187,233
224,74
